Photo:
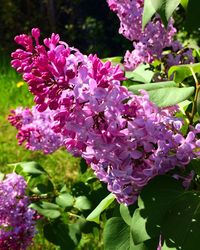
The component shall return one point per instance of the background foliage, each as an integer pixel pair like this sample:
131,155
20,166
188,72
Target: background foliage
86,24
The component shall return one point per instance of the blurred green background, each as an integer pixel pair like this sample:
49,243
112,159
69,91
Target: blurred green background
88,25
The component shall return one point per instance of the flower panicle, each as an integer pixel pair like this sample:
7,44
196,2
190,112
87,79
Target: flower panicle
125,138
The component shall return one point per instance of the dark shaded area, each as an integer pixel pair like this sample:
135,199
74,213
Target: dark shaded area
86,24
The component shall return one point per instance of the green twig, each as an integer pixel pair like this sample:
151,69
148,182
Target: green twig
194,105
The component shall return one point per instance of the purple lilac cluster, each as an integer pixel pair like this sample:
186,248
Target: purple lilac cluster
144,143
34,128
149,43
125,138
17,226
178,55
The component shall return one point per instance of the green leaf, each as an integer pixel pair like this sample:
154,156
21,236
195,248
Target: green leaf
138,228
125,214
49,210
65,200
184,3
82,203
151,86
133,77
57,232
117,235
63,189
154,202
148,12
2,176
166,97
165,7
182,223
48,205
181,72
105,203
75,230
38,179
40,184
166,208
30,167
142,74
184,105
170,6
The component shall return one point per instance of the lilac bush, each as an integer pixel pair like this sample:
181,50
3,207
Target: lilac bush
17,225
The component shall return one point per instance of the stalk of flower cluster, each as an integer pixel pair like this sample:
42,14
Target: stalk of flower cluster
17,226
125,138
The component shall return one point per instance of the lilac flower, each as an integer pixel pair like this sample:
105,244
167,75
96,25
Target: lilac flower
34,128
178,55
130,148
130,15
148,43
54,67
139,55
125,138
17,226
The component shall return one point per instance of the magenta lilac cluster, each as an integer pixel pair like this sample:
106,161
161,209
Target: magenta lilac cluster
125,138
17,226
148,43
34,128
54,69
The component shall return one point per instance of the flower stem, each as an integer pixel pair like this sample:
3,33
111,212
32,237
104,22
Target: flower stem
194,105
